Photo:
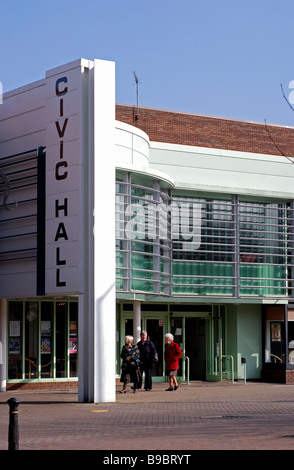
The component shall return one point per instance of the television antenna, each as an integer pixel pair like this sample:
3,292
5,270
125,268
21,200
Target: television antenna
137,87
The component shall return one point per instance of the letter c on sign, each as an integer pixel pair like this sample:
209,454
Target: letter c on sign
59,176
62,91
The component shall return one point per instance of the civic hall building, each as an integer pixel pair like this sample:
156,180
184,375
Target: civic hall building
115,218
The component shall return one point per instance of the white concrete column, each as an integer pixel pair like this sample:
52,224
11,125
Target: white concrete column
97,327
137,321
3,330
104,231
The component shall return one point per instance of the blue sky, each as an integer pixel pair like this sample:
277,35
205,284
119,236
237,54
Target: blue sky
223,58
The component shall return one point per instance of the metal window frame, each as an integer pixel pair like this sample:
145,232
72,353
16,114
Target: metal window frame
253,239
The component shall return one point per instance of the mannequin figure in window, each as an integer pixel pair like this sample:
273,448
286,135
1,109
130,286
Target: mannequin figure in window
147,355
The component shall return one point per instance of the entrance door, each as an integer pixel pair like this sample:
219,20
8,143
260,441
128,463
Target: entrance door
189,333
154,328
195,342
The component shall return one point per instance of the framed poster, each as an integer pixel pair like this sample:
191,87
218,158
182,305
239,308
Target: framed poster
14,346
73,328
46,328
73,345
45,345
276,335
14,328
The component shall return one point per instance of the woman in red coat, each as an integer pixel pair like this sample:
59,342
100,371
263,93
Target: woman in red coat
172,354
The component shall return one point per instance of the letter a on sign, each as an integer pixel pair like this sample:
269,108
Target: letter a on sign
61,232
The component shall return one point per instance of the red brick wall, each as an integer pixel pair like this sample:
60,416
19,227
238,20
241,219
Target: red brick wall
278,376
289,377
204,131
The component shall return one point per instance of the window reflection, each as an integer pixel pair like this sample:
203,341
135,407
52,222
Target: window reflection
15,340
31,340
47,316
60,339
42,339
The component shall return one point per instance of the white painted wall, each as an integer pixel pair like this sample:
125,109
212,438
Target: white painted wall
249,340
132,152
217,170
22,128
22,119
132,146
65,123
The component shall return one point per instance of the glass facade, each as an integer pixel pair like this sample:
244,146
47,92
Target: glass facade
42,339
204,254
143,256
179,245
264,260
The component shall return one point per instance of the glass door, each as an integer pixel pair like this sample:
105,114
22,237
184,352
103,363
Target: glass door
177,330
195,348
214,341
155,326
155,330
190,334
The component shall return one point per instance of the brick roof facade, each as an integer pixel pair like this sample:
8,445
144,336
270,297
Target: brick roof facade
204,131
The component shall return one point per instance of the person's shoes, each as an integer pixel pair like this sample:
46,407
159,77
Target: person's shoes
135,390
176,387
170,389
147,389
123,391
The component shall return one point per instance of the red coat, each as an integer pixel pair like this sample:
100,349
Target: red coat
172,354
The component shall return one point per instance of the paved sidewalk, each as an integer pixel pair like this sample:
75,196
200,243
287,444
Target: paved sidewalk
199,416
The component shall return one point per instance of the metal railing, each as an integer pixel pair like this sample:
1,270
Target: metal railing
187,369
224,356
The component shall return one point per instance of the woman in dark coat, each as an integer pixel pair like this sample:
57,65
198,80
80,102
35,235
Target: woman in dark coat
147,355
172,354
130,371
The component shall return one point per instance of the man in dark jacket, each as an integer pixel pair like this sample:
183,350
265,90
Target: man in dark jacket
147,354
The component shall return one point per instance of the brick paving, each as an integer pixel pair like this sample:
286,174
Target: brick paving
199,416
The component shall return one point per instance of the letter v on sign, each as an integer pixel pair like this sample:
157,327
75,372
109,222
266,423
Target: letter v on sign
61,131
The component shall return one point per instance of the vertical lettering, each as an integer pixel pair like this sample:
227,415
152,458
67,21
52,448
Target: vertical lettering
61,107
58,91
59,261
58,174
61,232
59,130
59,207
61,149
59,283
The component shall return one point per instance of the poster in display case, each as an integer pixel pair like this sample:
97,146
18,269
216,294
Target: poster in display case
73,345
14,345
45,345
